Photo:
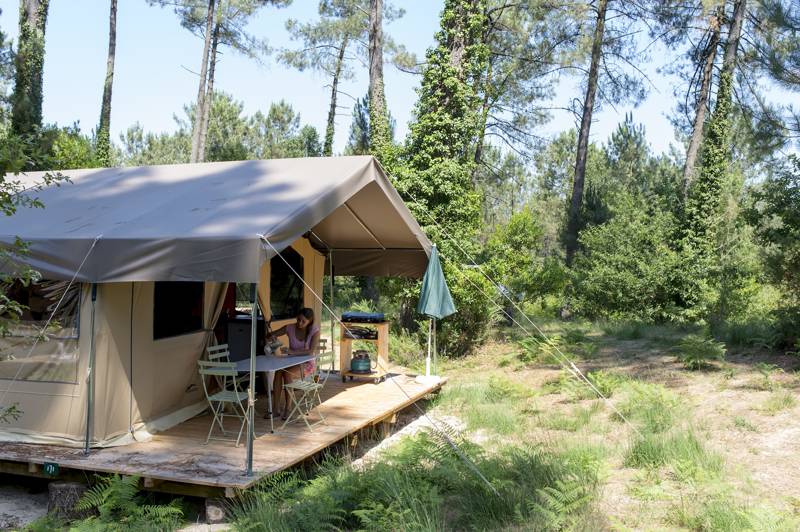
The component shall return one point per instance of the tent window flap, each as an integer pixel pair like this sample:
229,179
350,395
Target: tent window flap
28,351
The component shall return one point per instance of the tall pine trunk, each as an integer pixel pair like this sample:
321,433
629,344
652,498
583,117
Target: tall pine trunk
208,101
201,90
379,135
26,102
709,57
104,129
327,149
703,203
573,221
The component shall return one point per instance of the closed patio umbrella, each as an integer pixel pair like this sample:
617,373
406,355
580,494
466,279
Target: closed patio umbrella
435,302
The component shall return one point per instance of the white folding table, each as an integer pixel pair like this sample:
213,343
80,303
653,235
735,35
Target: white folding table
269,364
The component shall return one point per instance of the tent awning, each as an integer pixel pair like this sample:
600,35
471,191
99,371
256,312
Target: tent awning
208,221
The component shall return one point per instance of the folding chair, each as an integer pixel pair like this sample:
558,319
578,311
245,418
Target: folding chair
229,395
221,353
304,394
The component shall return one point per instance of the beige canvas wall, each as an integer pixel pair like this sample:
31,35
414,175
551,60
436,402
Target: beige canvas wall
138,379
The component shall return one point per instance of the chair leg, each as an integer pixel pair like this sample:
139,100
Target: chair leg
216,420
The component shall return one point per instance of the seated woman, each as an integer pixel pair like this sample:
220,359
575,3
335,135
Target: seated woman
303,338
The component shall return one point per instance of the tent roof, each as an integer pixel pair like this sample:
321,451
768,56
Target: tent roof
206,221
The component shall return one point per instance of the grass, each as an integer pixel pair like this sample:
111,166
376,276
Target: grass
777,401
652,407
743,424
686,455
575,420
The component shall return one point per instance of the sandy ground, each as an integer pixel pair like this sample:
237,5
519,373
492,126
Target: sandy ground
18,506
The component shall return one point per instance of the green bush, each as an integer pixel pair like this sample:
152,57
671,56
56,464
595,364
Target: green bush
629,268
696,352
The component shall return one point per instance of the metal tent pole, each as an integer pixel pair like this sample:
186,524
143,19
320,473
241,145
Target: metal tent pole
251,400
90,387
330,306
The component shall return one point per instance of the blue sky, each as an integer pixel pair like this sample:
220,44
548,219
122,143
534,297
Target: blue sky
155,56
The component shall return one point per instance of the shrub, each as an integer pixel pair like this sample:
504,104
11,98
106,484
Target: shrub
695,352
628,268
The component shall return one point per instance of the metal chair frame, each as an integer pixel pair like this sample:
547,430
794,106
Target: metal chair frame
309,388
226,373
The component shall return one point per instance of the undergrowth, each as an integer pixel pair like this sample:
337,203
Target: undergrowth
422,484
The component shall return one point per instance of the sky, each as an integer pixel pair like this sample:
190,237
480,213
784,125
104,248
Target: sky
156,59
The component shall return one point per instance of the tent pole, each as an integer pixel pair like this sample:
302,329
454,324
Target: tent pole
333,323
90,388
251,400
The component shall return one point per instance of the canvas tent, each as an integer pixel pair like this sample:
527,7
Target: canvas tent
119,234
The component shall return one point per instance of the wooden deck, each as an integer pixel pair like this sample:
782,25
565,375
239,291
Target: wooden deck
179,457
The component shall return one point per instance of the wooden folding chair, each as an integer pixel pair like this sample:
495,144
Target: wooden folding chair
229,395
304,394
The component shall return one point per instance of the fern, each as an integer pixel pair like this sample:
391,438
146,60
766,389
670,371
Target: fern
119,506
560,505
695,352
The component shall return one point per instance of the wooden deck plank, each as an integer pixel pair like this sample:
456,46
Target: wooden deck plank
179,455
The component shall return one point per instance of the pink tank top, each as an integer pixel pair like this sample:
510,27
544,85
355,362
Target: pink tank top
297,344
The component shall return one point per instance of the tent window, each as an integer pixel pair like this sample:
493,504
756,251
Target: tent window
26,310
285,289
178,308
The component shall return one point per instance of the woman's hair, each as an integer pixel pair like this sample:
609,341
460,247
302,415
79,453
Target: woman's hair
308,314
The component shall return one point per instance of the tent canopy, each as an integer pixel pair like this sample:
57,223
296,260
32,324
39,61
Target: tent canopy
208,221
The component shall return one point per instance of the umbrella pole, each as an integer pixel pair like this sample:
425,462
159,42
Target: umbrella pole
428,358
435,353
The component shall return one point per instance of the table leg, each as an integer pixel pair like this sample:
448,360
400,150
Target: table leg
269,403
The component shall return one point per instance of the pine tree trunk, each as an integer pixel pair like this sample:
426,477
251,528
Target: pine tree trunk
327,149
379,136
702,103
208,101
573,222
484,118
734,35
201,90
26,112
104,129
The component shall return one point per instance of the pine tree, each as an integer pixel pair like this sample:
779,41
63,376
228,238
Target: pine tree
26,114
104,129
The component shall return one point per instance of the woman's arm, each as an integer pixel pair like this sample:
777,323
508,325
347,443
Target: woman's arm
279,332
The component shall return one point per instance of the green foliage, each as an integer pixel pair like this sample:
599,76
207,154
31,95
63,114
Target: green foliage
231,136
26,101
628,269
652,407
119,506
695,352
423,484
777,220
680,449
513,259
